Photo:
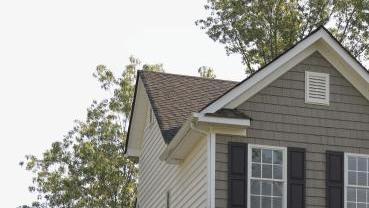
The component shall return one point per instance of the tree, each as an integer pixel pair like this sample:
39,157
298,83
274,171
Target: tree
261,30
206,72
87,168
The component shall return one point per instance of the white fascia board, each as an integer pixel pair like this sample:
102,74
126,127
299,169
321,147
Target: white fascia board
274,70
279,63
346,56
352,74
224,121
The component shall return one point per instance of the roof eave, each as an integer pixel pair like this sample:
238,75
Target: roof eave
197,127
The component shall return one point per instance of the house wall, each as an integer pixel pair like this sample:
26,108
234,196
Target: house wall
187,182
280,117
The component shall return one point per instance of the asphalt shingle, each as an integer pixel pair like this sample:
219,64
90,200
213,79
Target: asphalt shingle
174,97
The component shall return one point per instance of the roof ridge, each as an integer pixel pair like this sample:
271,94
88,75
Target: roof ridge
187,76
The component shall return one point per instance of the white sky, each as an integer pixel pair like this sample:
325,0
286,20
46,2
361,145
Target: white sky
49,50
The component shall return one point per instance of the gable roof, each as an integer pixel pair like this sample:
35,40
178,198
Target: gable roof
175,97
318,40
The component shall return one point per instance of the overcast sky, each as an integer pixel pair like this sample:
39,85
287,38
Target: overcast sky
49,50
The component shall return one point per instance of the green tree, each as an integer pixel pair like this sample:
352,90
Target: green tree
206,72
87,168
261,30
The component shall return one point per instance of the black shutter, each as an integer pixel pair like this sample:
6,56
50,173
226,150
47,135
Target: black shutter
237,175
335,179
296,178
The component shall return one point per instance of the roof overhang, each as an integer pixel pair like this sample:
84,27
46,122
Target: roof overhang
319,41
197,127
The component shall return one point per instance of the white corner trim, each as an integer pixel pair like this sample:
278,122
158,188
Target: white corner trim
224,121
345,177
211,168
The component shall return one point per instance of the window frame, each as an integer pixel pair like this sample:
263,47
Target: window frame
345,172
284,179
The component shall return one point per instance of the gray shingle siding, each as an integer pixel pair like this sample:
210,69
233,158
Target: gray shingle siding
281,117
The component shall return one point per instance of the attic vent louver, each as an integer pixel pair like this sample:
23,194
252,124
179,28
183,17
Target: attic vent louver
316,88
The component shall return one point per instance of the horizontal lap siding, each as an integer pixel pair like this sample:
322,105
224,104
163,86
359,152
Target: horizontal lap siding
280,117
186,182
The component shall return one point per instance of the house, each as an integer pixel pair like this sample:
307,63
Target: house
295,134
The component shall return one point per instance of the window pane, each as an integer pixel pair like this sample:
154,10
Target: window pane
361,178
362,163
351,194
277,172
277,157
256,170
277,202
277,189
267,156
256,155
266,188
255,202
361,195
352,178
351,205
266,202
352,163
267,171
255,187
361,205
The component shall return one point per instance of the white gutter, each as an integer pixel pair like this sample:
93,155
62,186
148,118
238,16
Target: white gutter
187,127
191,125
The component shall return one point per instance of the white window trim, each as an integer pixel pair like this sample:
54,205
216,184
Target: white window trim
312,100
249,163
345,171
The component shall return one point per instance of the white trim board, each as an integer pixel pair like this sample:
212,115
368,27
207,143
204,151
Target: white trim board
224,121
211,168
320,41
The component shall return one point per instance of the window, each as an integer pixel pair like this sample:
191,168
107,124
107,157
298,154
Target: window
356,181
267,177
316,88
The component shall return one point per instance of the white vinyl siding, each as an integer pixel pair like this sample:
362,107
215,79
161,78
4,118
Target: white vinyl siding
316,88
187,182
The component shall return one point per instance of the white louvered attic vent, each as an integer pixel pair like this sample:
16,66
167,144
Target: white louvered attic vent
316,88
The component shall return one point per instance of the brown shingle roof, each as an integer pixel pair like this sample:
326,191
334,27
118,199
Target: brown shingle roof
229,113
174,97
